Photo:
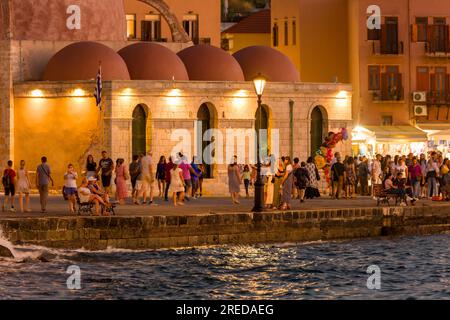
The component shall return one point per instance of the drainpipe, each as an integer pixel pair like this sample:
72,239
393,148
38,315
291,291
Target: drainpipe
291,127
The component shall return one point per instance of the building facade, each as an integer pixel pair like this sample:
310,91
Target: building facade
254,30
386,67
157,96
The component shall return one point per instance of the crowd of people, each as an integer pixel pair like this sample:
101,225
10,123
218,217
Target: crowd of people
180,180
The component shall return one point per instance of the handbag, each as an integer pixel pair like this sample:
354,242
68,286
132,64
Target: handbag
317,175
64,193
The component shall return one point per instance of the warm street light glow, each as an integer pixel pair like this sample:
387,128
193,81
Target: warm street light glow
342,95
78,93
259,83
37,93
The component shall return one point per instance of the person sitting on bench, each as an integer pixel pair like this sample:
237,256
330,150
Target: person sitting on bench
86,196
96,189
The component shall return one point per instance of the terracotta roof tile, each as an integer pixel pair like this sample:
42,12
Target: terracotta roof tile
258,22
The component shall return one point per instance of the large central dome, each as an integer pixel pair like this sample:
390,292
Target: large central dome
101,20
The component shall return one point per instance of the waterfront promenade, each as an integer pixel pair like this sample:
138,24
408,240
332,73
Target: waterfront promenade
57,207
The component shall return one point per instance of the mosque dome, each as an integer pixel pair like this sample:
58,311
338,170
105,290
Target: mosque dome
208,63
80,61
151,61
269,62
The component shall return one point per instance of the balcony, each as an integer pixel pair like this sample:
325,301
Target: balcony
387,49
438,98
389,95
437,49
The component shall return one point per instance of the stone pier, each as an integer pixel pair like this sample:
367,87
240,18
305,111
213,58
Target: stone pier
155,232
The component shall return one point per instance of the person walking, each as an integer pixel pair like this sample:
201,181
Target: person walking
337,176
161,175
287,184
432,174
301,180
167,168
9,183
135,171
176,185
91,167
415,175
363,177
106,169
376,172
148,178
122,176
70,187
23,187
187,172
312,189
234,181
350,178
279,175
43,180
246,176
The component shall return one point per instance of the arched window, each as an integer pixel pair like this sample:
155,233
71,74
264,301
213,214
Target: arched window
139,128
206,122
318,128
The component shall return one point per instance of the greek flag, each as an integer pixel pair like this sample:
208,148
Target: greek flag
98,88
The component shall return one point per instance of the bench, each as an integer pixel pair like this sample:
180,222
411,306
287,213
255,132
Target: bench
84,207
384,197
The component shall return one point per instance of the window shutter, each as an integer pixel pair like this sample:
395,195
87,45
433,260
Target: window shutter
399,87
383,38
447,87
414,33
423,79
430,38
384,86
433,85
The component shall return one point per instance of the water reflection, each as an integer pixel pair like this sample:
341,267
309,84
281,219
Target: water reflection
415,267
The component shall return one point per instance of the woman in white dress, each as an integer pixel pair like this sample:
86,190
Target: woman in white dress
23,187
177,185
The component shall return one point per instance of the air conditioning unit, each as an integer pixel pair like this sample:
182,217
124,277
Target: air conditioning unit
420,111
420,96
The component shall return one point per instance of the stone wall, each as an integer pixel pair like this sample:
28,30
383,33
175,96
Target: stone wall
153,232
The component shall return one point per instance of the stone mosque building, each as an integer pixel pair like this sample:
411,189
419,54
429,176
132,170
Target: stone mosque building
152,87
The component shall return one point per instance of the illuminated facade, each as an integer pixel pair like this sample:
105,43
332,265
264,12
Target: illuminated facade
151,92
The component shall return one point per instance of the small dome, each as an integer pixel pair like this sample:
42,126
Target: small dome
269,62
80,61
208,63
150,61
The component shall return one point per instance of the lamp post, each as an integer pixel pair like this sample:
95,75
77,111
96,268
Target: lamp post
259,83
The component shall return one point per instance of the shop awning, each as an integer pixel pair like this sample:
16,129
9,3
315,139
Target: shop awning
397,134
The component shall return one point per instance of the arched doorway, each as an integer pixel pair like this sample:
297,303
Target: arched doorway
139,131
318,128
262,123
206,118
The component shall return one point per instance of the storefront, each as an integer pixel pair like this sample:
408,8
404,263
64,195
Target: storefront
392,140
438,138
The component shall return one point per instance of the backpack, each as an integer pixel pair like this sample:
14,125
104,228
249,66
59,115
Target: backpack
6,179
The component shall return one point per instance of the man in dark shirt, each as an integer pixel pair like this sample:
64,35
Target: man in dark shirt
337,176
135,172
9,183
106,167
167,168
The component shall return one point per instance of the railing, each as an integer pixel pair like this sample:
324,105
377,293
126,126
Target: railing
438,97
394,94
437,48
393,49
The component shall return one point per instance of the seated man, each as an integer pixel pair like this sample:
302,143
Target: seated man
96,189
86,196
400,184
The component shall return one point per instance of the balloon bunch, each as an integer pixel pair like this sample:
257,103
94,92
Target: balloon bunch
325,153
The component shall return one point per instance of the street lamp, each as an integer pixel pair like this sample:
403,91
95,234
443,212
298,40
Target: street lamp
260,83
